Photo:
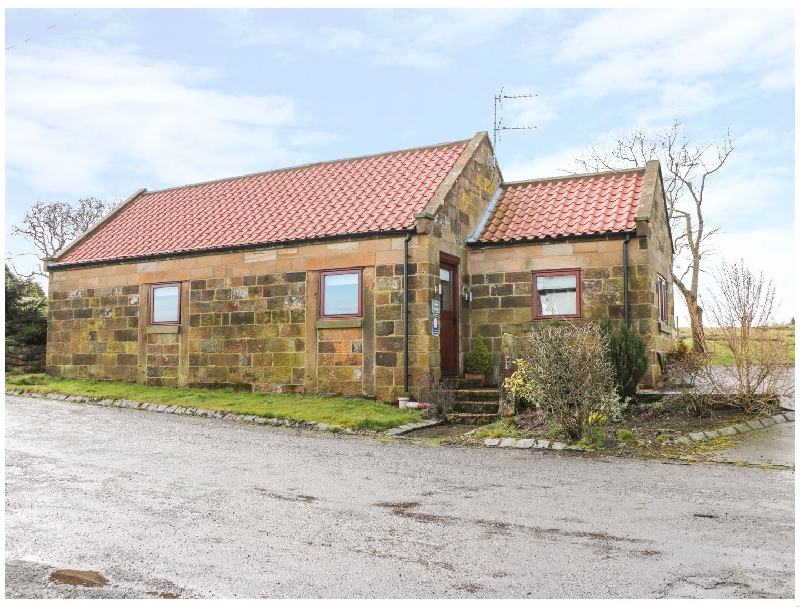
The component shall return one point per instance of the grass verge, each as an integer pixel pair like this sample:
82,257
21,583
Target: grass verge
348,412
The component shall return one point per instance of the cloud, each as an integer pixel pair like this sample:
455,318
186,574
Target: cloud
426,40
767,250
672,61
157,120
557,163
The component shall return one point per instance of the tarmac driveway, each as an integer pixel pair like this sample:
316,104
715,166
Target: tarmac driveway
193,507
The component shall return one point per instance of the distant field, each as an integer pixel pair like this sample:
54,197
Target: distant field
722,354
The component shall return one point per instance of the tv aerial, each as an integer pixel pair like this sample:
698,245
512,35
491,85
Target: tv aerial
498,123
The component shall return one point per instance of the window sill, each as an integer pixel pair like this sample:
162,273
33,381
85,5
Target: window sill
664,328
163,329
343,323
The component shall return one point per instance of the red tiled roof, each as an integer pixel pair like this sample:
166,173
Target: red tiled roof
598,203
352,196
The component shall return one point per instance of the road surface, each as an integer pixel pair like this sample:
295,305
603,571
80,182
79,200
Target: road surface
166,505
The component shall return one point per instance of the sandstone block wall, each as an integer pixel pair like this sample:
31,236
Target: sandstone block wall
93,331
29,359
502,286
250,320
656,241
447,224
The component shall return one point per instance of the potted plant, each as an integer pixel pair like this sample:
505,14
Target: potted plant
480,362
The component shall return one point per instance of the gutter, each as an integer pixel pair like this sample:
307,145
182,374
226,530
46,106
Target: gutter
405,311
225,249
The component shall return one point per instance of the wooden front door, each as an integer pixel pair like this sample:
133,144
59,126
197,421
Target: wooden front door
448,319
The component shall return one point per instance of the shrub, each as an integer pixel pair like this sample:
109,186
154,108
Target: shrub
626,353
479,359
520,384
760,373
26,311
435,398
744,311
566,370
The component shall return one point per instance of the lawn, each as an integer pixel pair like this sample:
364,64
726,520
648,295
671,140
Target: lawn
347,412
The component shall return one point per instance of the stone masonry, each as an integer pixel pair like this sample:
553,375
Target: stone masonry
250,317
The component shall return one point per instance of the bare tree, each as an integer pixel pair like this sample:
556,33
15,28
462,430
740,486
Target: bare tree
744,310
50,226
686,168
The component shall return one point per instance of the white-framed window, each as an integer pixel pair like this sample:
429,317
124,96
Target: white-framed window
557,294
340,293
165,304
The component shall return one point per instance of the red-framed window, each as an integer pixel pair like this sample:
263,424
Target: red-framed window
662,299
165,303
340,293
556,294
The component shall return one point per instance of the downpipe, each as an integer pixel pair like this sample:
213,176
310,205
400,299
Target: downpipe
625,279
405,311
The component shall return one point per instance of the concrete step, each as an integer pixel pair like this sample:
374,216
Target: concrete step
476,407
472,419
459,383
483,395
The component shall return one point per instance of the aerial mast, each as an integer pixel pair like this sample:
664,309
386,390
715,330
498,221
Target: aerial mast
498,124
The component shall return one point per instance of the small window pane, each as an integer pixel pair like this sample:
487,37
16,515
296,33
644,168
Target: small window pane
662,299
165,304
447,290
557,295
558,304
546,283
341,294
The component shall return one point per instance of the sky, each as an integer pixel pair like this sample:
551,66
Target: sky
108,101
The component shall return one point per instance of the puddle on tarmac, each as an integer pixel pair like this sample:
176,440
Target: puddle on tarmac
76,577
441,431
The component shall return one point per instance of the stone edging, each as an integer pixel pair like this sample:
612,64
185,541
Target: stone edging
530,443
413,426
198,412
756,424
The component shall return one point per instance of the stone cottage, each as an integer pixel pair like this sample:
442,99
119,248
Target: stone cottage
357,276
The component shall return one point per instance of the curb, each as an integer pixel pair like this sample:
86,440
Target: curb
758,424
530,443
227,416
412,426
755,424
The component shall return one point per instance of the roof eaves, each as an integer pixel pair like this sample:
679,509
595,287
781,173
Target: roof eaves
225,248
546,239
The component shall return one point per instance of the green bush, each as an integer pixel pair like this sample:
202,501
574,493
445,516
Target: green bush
26,311
626,353
479,359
